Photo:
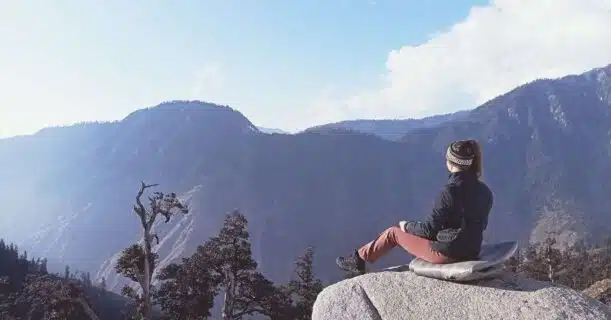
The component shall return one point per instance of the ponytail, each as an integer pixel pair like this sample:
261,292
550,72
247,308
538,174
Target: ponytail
478,162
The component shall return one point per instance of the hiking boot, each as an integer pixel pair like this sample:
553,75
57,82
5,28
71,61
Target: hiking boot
352,263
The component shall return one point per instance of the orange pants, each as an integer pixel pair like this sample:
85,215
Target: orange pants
394,236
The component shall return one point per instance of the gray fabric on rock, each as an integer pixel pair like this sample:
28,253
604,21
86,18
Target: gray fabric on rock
488,265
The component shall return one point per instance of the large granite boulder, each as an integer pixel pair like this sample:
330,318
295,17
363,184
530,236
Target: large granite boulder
402,295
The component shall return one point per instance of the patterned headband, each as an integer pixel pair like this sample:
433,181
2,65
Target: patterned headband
452,158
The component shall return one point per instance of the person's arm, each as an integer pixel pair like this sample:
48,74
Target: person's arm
490,203
436,221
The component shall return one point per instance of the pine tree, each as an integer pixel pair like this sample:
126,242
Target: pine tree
187,290
223,264
304,287
245,290
131,263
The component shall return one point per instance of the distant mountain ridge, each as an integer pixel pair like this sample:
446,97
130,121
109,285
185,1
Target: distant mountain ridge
389,129
272,130
69,191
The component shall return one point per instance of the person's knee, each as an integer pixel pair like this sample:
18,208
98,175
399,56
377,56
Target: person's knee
392,234
393,230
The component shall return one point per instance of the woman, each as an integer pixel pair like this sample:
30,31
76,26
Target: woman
454,230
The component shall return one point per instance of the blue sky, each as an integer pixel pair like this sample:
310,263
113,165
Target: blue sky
284,64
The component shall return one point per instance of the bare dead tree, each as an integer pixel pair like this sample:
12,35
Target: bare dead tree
140,269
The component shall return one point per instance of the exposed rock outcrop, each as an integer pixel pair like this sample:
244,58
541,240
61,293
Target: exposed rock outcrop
600,291
390,295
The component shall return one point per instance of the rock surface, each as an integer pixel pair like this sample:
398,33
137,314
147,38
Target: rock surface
600,291
390,295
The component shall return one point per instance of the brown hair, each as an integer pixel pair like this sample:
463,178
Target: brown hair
478,160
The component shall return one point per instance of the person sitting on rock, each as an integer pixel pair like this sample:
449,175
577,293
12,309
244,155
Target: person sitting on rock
454,230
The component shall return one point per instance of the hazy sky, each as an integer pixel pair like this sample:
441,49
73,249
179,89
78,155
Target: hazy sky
285,64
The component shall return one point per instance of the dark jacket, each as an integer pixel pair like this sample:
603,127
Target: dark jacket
463,190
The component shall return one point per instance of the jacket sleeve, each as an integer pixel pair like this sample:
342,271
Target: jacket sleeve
437,220
490,203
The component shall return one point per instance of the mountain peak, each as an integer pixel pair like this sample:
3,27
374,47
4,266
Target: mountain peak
575,93
184,106
192,113
606,69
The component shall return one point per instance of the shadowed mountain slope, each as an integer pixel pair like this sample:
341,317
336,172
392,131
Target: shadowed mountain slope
68,192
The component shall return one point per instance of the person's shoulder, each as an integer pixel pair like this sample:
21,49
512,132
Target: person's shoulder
446,195
450,189
485,188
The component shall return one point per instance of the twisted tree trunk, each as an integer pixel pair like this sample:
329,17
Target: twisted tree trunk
146,288
227,313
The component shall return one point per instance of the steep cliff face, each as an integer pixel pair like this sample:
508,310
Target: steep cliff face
68,192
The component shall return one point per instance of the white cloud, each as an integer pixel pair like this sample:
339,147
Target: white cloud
208,82
496,48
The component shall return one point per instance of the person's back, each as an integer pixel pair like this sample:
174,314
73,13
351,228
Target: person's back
471,204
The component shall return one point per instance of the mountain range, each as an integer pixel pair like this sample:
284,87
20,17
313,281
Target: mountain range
68,191
390,129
